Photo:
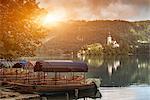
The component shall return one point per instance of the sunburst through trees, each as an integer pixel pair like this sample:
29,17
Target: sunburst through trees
19,33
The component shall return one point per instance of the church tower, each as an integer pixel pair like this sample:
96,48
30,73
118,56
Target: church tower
109,39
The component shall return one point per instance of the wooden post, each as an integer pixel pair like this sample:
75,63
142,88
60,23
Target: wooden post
84,77
73,76
28,76
55,77
59,76
16,74
3,74
43,98
76,94
44,76
38,77
67,95
66,78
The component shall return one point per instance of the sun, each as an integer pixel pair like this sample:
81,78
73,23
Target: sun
53,18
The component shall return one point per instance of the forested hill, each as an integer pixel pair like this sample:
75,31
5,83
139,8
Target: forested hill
72,35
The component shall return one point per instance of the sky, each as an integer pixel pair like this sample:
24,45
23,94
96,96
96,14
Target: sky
132,10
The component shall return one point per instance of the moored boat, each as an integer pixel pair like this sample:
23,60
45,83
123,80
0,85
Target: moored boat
56,76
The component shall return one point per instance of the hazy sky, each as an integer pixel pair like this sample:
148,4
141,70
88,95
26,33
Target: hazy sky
99,9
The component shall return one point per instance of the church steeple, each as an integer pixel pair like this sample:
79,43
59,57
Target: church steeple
111,42
109,39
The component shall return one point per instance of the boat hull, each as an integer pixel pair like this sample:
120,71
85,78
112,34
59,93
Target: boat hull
79,91
53,88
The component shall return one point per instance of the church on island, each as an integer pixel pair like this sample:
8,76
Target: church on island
111,42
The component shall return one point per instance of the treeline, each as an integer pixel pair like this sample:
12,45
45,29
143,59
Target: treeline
71,36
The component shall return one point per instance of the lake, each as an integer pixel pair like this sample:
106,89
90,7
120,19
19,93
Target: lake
123,77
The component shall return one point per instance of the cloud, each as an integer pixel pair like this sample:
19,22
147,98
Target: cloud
100,9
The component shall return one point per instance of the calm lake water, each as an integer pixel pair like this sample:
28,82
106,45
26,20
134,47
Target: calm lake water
123,77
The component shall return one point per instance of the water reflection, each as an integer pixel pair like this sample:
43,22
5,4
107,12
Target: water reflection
119,71
81,96
93,61
116,71
113,66
115,93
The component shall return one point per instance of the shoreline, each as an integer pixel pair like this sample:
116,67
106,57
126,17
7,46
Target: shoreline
8,94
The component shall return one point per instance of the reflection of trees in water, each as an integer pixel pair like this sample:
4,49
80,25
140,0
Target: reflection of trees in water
120,71
122,77
142,74
93,61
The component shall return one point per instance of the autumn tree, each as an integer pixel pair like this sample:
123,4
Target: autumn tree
19,32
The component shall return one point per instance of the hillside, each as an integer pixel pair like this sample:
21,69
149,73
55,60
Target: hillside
72,35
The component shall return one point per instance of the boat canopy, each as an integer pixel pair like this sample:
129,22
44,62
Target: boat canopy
60,66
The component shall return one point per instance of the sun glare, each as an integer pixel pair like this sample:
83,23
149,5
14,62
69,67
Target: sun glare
53,18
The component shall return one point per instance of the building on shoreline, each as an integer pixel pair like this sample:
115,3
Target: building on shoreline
111,42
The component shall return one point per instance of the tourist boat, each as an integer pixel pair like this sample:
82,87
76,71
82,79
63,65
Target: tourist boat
56,76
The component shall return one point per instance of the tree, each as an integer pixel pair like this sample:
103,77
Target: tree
92,49
19,33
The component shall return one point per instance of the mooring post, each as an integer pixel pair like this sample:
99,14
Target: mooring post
67,95
76,94
44,98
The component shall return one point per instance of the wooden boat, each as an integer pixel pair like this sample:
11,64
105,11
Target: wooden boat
66,77
41,89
